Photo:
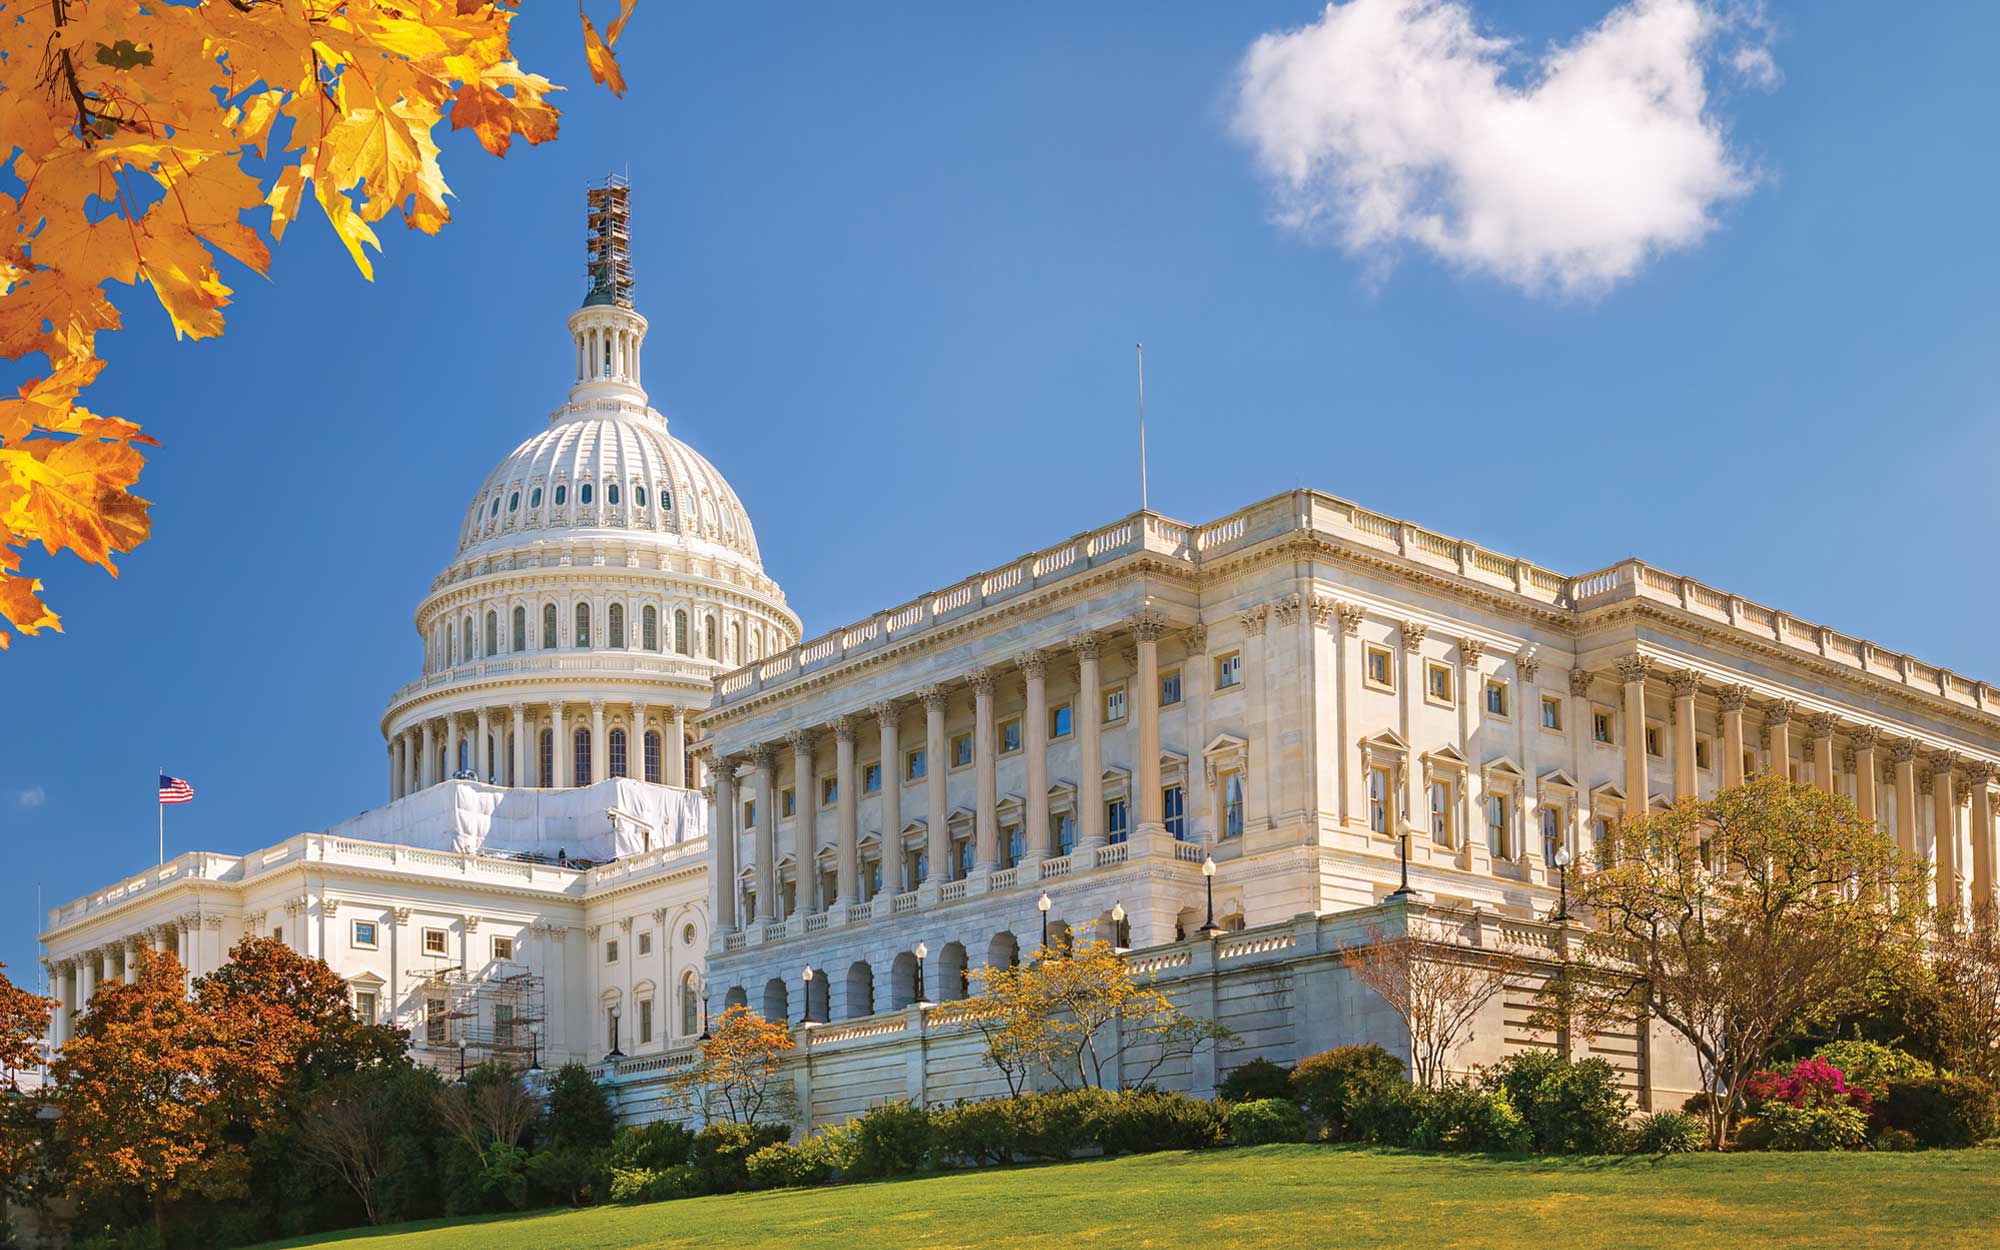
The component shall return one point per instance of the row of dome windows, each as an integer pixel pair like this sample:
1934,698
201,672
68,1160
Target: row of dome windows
583,497
647,636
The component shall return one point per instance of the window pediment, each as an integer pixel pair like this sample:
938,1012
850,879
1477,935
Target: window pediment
1557,779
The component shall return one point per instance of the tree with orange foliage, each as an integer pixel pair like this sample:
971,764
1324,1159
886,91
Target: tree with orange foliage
736,1077
135,129
24,1020
138,1088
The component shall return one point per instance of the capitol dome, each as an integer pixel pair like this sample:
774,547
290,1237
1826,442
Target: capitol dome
605,573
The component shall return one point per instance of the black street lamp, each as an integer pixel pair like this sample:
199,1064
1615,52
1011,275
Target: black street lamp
922,952
461,1060
1563,860
1118,941
806,996
614,1052
701,988
534,1046
1402,891
1043,904
1209,928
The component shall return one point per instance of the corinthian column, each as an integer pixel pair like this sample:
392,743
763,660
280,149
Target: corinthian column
428,764
848,829
1731,701
1778,720
1632,673
891,803
518,775
600,764
1904,753
1089,744
767,842
805,839
1819,732
560,752
1146,706
985,765
1035,746
1979,775
1684,684
723,852
451,744
677,749
937,812
483,748
1944,830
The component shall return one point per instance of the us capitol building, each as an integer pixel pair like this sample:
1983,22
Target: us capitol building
624,791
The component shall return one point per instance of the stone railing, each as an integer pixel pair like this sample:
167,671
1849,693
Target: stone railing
193,866
568,663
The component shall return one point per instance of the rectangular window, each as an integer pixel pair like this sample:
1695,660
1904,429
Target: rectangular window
1552,713
1379,668
871,779
1170,687
365,934
1114,704
434,942
1441,812
961,750
437,1025
1232,805
503,1023
503,949
1060,721
1437,683
749,813
1010,735
278,931
1115,827
1600,726
364,1006
1653,742
1702,757
788,801
1381,785
1602,831
1015,843
646,943
1173,808
645,1021
916,765
829,790
1229,670
611,951
1496,699
1552,825
1496,826
1065,832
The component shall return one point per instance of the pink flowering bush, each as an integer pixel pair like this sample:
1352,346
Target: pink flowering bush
1812,1107
1810,1083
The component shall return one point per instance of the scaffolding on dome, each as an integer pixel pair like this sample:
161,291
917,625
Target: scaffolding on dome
493,1018
610,243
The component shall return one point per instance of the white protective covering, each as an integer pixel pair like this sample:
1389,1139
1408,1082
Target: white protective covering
609,820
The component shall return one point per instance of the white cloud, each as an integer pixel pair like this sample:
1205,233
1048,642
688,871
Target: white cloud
1391,122
32,797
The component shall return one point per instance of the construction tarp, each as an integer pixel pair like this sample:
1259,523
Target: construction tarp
609,820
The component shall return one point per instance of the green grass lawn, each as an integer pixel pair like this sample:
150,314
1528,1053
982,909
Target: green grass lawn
1316,1197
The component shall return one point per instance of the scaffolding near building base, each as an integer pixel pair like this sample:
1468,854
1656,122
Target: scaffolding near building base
495,1017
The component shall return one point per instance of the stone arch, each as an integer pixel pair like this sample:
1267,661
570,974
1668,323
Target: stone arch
1004,951
860,990
777,1002
903,989
819,997
954,976
736,997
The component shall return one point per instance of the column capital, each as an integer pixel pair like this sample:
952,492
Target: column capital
518,709
1685,683
981,680
935,697
1414,633
843,729
762,755
1903,750
1287,608
1351,616
1633,668
1862,737
1469,650
1978,772
597,707
1732,698
1088,647
1148,626
1579,681
1252,618
1820,725
1032,663
887,713
802,741
1943,761
1322,608
1525,663
1779,712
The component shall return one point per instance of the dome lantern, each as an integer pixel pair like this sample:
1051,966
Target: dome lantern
608,332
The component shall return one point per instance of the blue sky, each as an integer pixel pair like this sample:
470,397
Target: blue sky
895,262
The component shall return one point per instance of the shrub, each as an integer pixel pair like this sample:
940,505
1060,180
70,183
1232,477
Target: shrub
567,1174
1948,1112
1142,1120
1668,1133
1893,1140
1267,1120
1260,1078
978,1133
1810,1083
654,1147
834,1146
1464,1117
1333,1084
721,1153
576,1112
653,1184
1872,1065
1816,1126
1568,1107
783,1166
1388,1114
1058,1126
893,1139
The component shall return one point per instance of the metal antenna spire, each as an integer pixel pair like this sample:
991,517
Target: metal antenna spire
1141,348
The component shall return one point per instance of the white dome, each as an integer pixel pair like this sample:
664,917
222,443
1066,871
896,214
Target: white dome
602,468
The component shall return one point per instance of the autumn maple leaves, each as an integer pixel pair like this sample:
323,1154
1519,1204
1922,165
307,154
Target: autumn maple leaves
132,131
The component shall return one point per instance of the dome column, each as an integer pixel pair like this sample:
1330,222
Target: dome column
518,774
676,760
635,745
429,765
395,771
600,763
450,745
559,752
412,760
485,745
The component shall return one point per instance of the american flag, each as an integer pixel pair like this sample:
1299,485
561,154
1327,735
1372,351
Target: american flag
174,790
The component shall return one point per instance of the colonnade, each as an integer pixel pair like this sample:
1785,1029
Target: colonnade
505,744
73,979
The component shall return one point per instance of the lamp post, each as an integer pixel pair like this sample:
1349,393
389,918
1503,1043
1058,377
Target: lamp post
1042,905
701,988
1402,892
461,1060
922,952
614,1052
806,996
1118,926
1563,861
1209,928
534,1046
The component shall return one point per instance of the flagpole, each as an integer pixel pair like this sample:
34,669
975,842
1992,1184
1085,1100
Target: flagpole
1140,348
163,815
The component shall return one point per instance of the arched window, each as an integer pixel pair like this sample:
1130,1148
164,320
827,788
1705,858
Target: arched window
582,624
514,502
492,632
639,495
450,647
653,757
611,493
562,495
546,763
617,754
751,654
548,626
496,506
690,1006
465,639
580,742
666,498
736,642
535,497
649,627
583,494
617,625
680,631
714,633
520,628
